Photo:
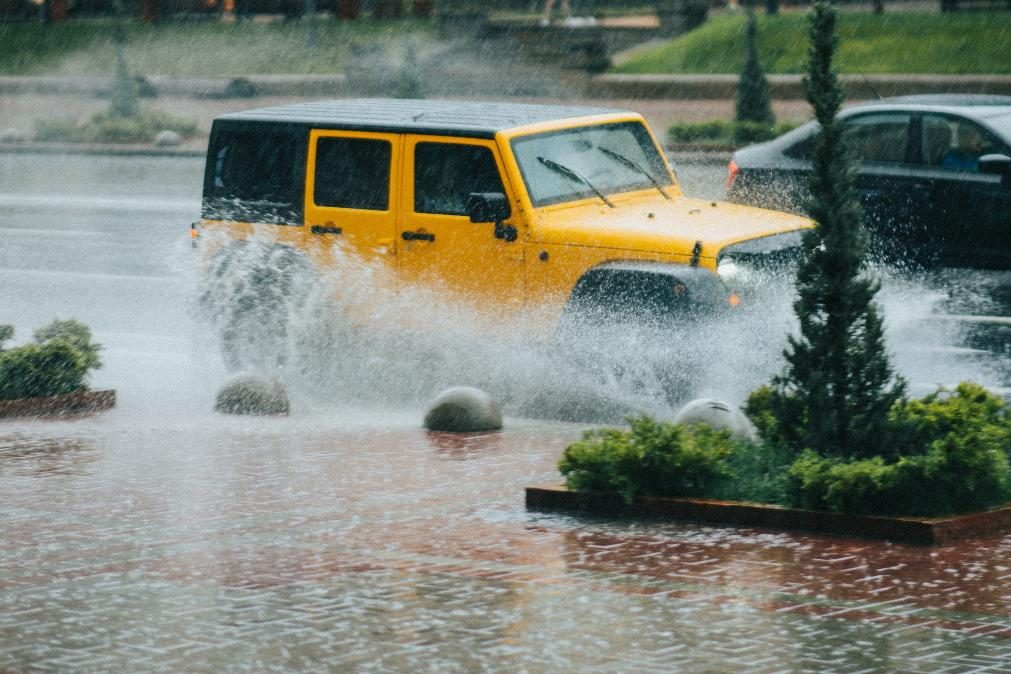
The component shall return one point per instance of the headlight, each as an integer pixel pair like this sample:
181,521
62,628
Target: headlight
727,268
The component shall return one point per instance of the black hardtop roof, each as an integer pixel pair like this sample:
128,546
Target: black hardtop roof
460,118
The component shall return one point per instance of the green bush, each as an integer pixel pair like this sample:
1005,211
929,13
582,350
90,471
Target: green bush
57,363
74,333
39,370
104,127
949,456
954,461
969,408
722,132
651,459
693,132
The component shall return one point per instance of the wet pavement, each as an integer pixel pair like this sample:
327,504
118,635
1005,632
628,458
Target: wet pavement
354,541
162,537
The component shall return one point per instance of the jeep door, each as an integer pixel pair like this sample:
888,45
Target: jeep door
350,203
438,244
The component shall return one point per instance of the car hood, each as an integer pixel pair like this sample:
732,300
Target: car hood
661,226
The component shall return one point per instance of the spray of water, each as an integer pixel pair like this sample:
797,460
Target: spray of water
354,334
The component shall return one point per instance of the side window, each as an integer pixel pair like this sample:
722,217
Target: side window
802,149
956,144
253,176
446,173
880,137
352,173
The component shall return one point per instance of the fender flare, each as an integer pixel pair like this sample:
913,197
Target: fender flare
647,286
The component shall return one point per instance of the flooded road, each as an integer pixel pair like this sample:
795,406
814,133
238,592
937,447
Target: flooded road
163,537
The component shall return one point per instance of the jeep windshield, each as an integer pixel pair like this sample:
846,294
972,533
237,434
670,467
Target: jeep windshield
600,159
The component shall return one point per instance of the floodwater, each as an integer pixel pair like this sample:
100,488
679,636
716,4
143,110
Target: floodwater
162,537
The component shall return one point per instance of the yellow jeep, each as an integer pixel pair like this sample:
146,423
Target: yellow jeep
530,213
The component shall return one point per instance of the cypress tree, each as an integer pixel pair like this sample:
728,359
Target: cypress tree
838,385
752,88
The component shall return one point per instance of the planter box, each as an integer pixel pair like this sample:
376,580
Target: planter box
923,531
81,402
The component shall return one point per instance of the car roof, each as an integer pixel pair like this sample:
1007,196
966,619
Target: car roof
457,118
977,106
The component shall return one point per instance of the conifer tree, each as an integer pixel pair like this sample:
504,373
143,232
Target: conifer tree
838,385
752,88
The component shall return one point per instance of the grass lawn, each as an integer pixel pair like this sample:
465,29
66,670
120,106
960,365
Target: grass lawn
204,49
906,42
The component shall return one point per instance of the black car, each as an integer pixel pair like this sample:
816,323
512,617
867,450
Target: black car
934,176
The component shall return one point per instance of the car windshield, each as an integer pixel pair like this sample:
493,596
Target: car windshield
589,162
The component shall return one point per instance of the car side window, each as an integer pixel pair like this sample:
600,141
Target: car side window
955,144
352,173
882,138
446,173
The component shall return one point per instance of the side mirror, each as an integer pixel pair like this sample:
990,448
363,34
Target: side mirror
999,164
487,207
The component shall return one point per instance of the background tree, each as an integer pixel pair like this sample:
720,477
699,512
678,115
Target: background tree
124,87
752,104
838,386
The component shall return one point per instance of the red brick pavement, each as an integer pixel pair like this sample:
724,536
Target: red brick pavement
303,544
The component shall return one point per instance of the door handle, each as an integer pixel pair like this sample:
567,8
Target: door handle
417,236
326,229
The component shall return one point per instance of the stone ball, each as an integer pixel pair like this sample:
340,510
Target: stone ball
252,394
463,409
167,138
11,135
719,415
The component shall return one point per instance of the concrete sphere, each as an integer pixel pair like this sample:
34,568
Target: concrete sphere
167,138
252,394
719,415
463,409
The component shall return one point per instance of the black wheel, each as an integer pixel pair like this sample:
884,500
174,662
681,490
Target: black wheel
253,292
637,353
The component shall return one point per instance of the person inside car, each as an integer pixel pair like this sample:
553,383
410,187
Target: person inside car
965,157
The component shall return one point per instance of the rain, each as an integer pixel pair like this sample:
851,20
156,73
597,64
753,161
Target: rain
162,536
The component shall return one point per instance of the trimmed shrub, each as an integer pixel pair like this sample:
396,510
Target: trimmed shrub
40,370
74,333
721,132
692,132
948,455
651,459
105,127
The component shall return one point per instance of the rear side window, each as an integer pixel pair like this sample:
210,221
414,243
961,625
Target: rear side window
882,138
446,173
255,175
353,173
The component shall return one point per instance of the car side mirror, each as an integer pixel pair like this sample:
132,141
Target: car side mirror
487,207
999,164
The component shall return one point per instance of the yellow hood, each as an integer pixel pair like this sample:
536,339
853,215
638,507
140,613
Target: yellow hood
644,221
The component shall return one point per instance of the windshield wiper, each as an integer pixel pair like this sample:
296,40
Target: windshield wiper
575,175
635,167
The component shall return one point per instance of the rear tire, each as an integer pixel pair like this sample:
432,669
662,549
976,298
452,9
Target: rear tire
254,292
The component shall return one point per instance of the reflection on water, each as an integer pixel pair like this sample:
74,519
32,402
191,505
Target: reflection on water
42,456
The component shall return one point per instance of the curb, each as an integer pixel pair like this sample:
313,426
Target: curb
100,149
70,404
250,86
917,530
789,87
